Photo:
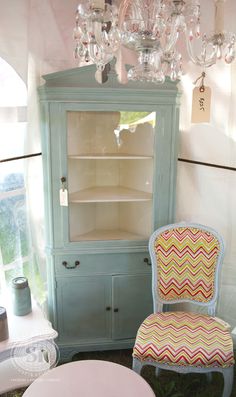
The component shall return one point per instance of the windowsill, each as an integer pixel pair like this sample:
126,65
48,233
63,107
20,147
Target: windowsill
25,329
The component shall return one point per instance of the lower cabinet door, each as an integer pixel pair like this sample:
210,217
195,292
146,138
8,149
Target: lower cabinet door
84,308
132,303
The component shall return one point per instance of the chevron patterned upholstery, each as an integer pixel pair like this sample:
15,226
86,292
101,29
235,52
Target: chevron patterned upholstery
181,338
186,260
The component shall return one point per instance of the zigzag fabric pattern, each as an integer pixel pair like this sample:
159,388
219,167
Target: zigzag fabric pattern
186,260
180,338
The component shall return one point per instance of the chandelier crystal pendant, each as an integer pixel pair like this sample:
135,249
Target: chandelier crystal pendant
96,33
153,30
218,45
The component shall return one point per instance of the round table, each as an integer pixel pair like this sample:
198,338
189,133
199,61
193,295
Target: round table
90,378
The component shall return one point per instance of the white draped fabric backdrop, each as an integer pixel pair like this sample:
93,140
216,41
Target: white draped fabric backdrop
36,38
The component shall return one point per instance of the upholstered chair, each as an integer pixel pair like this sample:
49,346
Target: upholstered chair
186,261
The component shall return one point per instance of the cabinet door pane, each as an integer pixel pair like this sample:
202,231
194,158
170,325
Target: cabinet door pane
132,296
81,304
110,174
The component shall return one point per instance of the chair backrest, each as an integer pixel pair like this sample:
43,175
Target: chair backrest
185,265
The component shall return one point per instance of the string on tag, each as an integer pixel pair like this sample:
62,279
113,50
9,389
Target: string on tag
63,193
63,182
201,101
202,78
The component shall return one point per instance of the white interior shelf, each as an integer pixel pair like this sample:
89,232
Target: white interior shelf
96,235
109,156
109,194
110,175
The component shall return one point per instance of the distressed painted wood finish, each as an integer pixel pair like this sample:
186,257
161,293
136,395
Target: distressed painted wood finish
87,280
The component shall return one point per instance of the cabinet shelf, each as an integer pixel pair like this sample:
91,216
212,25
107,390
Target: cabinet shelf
109,194
105,235
109,156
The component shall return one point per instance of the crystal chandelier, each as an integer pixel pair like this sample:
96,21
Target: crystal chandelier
153,29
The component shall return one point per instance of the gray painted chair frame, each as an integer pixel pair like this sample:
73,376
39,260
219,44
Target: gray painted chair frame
228,373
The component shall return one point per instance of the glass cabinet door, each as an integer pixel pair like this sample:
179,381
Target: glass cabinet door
110,174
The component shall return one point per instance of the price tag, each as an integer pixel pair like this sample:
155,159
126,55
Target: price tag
64,197
201,105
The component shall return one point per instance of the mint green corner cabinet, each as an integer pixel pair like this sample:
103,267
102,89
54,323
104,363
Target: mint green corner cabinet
109,157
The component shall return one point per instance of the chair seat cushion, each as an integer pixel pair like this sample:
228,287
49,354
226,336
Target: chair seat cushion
182,338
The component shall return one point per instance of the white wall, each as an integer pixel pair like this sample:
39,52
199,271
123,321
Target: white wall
204,194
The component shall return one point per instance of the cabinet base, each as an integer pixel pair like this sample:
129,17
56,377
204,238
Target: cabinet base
67,351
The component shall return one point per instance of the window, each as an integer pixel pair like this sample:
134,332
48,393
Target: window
17,254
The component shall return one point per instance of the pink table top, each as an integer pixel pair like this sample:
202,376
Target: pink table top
90,378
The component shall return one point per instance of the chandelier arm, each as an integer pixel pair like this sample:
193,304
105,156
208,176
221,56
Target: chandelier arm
171,41
200,61
122,11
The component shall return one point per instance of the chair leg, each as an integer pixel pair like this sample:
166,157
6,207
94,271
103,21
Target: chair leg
137,366
228,374
209,377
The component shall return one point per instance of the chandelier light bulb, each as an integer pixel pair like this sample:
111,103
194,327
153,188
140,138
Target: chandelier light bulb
219,16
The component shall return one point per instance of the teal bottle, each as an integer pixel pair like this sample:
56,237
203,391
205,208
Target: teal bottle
21,296
3,324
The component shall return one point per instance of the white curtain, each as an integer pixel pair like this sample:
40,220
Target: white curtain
19,255
34,40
